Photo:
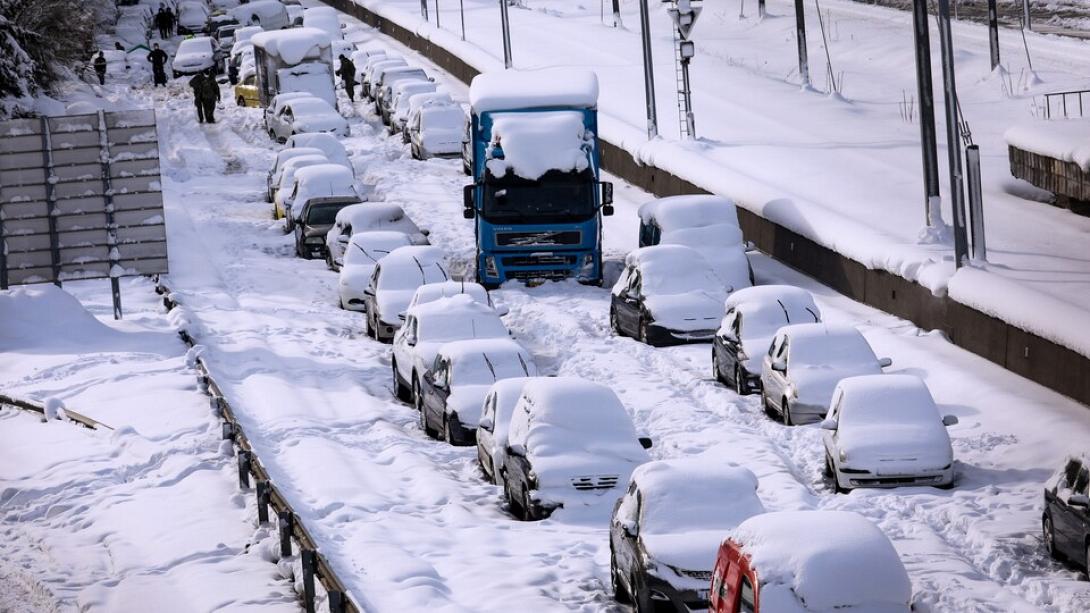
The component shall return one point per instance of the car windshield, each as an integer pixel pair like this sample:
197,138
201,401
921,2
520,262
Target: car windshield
831,350
663,281
485,369
410,275
554,198
456,326
323,214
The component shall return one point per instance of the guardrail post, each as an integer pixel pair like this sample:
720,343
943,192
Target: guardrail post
228,431
286,524
264,493
214,403
244,459
202,383
310,566
336,601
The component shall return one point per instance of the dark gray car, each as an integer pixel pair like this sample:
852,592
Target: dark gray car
315,220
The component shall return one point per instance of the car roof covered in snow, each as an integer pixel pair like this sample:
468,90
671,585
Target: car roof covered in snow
311,105
329,144
697,211
567,413
245,33
284,155
886,398
445,289
326,177
695,493
852,564
295,164
527,89
294,44
532,146
488,360
451,306
367,215
790,297
196,45
663,258
411,254
819,343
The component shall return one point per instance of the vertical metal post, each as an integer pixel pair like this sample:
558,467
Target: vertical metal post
800,35
286,525
1027,24
462,14
310,566
113,256
336,601
993,32
761,12
264,493
424,9
648,72
51,201
228,431
244,460
976,202
3,252
690,120
953,134
437,14
617,13
505,23
928,140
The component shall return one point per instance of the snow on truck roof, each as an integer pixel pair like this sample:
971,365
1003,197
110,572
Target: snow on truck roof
293,45
529,89
552,140
850,564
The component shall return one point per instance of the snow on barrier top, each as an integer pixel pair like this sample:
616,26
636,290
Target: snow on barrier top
294,45
529,89
553,140
1065,140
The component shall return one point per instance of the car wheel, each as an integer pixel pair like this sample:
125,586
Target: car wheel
767,406
739,382
643,331
448,436
400,391
240,101
1087,565
415,155
1049,537
641,596
615,323
528,507
513,506
424,423
619,593
340,304
785,409
417,399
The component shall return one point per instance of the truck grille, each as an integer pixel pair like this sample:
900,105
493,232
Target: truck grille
594,482
539,260
538,275
530,239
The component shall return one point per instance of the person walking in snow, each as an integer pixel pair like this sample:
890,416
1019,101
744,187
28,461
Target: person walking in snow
158,59
100,67
162,23
197,84
210,95
347,72
172,22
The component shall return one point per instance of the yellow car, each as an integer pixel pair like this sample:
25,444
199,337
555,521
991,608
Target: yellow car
246,92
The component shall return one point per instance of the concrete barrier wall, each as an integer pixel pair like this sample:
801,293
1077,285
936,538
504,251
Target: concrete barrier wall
1021,352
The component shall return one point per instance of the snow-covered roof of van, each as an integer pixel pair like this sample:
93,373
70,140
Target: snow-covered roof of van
852,564
552,140
293,45
528,89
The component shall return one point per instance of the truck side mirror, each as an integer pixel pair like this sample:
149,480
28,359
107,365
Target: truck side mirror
607,192
469,209
607,210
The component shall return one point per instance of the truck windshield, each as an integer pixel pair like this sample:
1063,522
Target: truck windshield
556,197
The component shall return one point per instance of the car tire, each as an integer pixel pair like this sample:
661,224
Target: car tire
643,331
528,507
739,382
615,323
619,593
718,376
400,391
785,412
514,507
415,396
767,406
830,473
641,596
340,304
240,101
448,436
1049,536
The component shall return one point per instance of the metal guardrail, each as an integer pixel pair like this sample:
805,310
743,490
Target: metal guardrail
34,407
1063,98
315,565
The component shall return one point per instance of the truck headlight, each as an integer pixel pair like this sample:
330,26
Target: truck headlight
490,269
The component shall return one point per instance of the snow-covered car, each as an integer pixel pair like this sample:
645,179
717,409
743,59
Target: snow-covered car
753,315
437,291
367,218
244,34
666,530
276,105
805,363
885,431
309,114
409,106
286,186
320,181
452,391
399,101
314,220
428,326
192,18
666,295
194,55
772,563
570,443
436,131
295,15
363,252
1065,523
242,54
499,404
385,82
395,280
359,59
708,224
325,19
330,145
246,94
272,178
269,14
375,67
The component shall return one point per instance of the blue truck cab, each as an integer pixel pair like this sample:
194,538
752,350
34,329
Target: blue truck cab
536,197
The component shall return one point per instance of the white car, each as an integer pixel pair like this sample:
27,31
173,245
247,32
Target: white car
269,14
367,218
309,114
360,57
320,181
666,529
244,34
436,131
278,102
570,443
499,404
192,17
272,179
375,67
413,103
363,252
708,224
753,315
385,83
885,431
286,185
194,55
427,327
805,363
452,391
666,295
329,144
437,291
394,282
325,19
399,100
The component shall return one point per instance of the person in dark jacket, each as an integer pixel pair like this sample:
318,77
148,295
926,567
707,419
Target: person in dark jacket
210,95
162,23
100,67
158,59
347,72
172,22
197,84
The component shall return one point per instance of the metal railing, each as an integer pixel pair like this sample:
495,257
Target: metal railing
34,407
1060,100
314,564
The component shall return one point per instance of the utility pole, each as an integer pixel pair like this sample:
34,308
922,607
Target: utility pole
424,9
648,72
800,35
1026,23
505,23
953,135
617,14
684,14
928,144
993,32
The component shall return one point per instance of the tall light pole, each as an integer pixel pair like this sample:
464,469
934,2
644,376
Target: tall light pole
505,23
462,13
993,32
648,72
953,135
800,36
928,144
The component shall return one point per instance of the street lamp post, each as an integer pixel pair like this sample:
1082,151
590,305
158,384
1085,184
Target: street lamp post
505,23
648,72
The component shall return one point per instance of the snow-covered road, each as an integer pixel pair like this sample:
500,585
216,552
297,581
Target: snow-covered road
409,524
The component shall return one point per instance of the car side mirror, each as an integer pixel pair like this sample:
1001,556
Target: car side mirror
501,309
779,365
1079,500
607,196
425,231
343,239
402,315
468,206
829,424
486,424
949,420
885,362
630,528
516,449
646,442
